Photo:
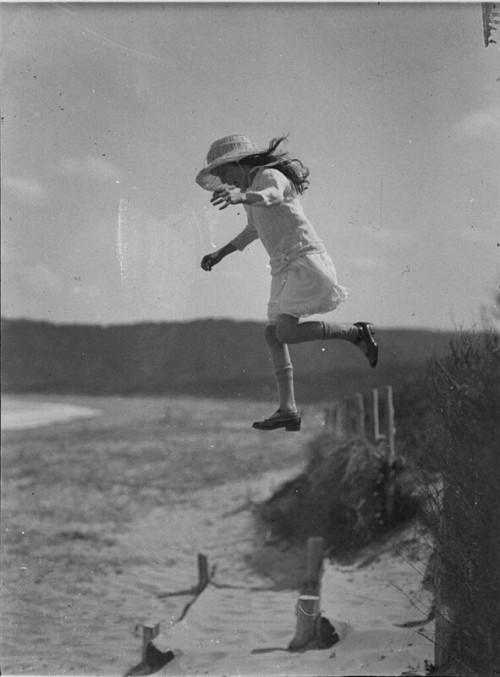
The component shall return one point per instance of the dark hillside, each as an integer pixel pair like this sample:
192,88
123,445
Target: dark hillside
219,358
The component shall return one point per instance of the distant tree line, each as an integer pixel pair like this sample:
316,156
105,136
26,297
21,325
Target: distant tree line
218,358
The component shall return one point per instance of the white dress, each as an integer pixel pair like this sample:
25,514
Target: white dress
304,280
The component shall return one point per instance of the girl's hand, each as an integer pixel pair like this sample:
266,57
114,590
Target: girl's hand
225,197
210,260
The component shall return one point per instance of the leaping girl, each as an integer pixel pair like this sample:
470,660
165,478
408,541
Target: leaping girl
269,185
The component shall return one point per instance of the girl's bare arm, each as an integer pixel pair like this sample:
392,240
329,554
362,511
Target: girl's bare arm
210,260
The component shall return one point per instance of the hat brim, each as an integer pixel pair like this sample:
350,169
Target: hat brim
209,181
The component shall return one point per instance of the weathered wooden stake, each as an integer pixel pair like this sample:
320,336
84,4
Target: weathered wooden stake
203,577
149,632
314,566
152,658
390,431
307,612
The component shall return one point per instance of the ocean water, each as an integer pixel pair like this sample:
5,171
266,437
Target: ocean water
21,414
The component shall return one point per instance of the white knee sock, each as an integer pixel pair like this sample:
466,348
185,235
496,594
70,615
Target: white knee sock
284,382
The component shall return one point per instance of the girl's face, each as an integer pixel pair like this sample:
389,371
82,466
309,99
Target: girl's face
233,174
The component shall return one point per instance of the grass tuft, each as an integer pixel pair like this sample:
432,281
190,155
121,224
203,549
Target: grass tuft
339,496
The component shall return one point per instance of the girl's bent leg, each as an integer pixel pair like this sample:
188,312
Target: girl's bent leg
283,370
288,330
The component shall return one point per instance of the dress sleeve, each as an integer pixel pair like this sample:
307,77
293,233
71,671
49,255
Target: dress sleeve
247,235
268,189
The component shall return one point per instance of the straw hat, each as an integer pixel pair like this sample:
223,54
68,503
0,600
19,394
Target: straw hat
228,149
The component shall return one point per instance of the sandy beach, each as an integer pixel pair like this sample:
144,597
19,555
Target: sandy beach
104,515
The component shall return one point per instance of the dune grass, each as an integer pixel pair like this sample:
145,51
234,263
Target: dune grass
340,496
466,510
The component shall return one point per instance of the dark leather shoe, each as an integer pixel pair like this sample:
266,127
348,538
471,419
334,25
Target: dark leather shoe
280,419
366,332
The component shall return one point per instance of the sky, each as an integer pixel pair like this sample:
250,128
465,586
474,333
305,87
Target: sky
108,112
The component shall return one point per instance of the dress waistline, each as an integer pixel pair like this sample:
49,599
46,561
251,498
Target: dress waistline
279,263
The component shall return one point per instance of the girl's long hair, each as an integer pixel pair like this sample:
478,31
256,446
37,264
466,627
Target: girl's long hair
292,168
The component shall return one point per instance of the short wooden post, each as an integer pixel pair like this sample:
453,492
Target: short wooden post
390,431
203,577
152,658
313,631
307,612
314,566
149,632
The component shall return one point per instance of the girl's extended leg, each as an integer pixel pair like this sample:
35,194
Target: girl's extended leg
283,370
288,330
286,416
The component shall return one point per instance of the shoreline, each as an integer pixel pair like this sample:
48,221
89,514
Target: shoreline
23,413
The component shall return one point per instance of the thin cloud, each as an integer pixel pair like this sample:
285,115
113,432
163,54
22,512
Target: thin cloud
369,263
25,190
40,279
482,123
478,235
391,235
90,168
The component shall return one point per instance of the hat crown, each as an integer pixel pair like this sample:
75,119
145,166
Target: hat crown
235,143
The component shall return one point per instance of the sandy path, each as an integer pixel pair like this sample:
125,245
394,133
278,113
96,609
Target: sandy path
101,516
366,604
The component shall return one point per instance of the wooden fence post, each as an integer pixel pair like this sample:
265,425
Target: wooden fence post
372,417
314,566
390,480
335,419
443,590
358,415
353,417
349,407
328,421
